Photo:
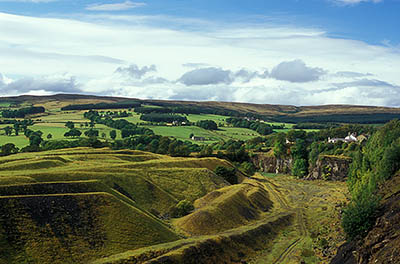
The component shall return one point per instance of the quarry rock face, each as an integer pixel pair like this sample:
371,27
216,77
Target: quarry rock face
269,163
382,243
331,168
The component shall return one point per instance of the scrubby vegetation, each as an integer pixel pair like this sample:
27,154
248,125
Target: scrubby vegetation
378,160
259,127
207,124
229,174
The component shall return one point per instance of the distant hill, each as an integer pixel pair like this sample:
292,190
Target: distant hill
279,113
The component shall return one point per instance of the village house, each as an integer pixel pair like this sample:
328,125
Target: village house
352,137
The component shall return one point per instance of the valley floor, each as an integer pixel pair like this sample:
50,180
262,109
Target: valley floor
302,226
316,232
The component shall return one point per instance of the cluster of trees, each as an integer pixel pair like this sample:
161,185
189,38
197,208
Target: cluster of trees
207,124
376,162
21,113
228,174
11,121
101,106
155,110
315,126
181,209
17,127
163,118
342,131
35,140
127,128
73,133
117,114
196,109
259,127
8,149
91,142
157,144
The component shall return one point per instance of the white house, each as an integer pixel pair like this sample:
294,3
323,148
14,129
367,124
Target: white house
352,137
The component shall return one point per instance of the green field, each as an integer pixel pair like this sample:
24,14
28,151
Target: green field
57,130
135,118
5,104
224,133
216,118
53,122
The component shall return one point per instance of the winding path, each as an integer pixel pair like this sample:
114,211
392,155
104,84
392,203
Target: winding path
273,190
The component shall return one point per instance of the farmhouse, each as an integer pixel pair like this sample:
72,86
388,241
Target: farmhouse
352,137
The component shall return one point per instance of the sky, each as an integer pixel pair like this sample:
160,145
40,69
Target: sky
297,52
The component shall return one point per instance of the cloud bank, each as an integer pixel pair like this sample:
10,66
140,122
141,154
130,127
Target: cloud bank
114,7
146,57
354,2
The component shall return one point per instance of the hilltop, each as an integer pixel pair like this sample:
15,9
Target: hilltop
276,112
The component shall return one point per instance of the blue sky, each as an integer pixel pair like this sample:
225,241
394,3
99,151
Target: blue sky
302,52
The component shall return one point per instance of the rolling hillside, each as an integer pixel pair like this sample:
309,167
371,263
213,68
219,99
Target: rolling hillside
284,113
75,205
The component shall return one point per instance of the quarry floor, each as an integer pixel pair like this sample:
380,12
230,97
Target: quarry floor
316,233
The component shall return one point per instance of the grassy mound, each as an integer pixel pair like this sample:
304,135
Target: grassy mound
52,188
7,180
75,205
227,247
226,208
31,164
73,228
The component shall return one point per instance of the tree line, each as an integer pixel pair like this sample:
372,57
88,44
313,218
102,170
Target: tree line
377,118
21,113
259,127
127,128
99,106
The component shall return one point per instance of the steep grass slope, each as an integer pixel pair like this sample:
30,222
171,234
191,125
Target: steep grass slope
73,228
227,208
75,205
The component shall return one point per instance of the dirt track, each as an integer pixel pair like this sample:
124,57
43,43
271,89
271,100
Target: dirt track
305,198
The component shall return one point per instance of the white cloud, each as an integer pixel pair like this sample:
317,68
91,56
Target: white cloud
62,83
350,74
135,71
114,7
354,2
29,1
296,71
92,48
214,75
206,76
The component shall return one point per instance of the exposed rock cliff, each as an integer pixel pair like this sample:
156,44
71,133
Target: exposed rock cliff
382,243
332,168
267,162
